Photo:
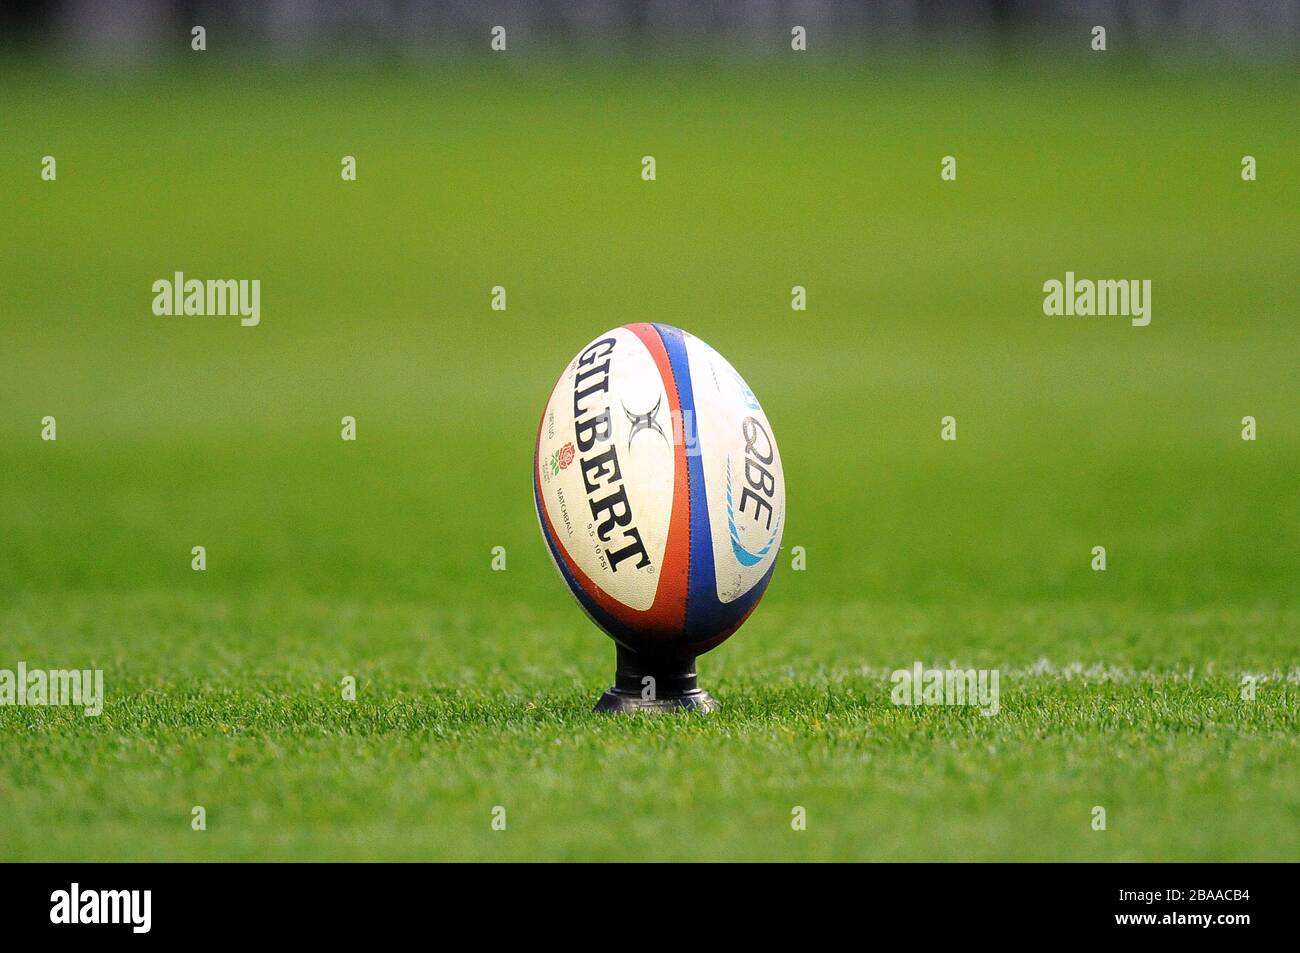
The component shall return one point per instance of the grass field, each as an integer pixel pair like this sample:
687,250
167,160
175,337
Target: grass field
328,558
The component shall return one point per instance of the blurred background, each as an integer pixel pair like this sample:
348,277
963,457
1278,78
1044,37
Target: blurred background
415,29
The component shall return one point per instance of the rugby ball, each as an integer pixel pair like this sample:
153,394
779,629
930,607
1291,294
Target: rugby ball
659,489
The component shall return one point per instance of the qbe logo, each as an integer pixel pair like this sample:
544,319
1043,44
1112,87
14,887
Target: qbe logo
131,907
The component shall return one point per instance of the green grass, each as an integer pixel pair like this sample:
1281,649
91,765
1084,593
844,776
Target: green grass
327,558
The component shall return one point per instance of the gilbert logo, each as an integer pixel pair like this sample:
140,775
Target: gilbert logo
133,907
644,421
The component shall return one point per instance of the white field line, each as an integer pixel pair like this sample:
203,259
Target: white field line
1095,672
